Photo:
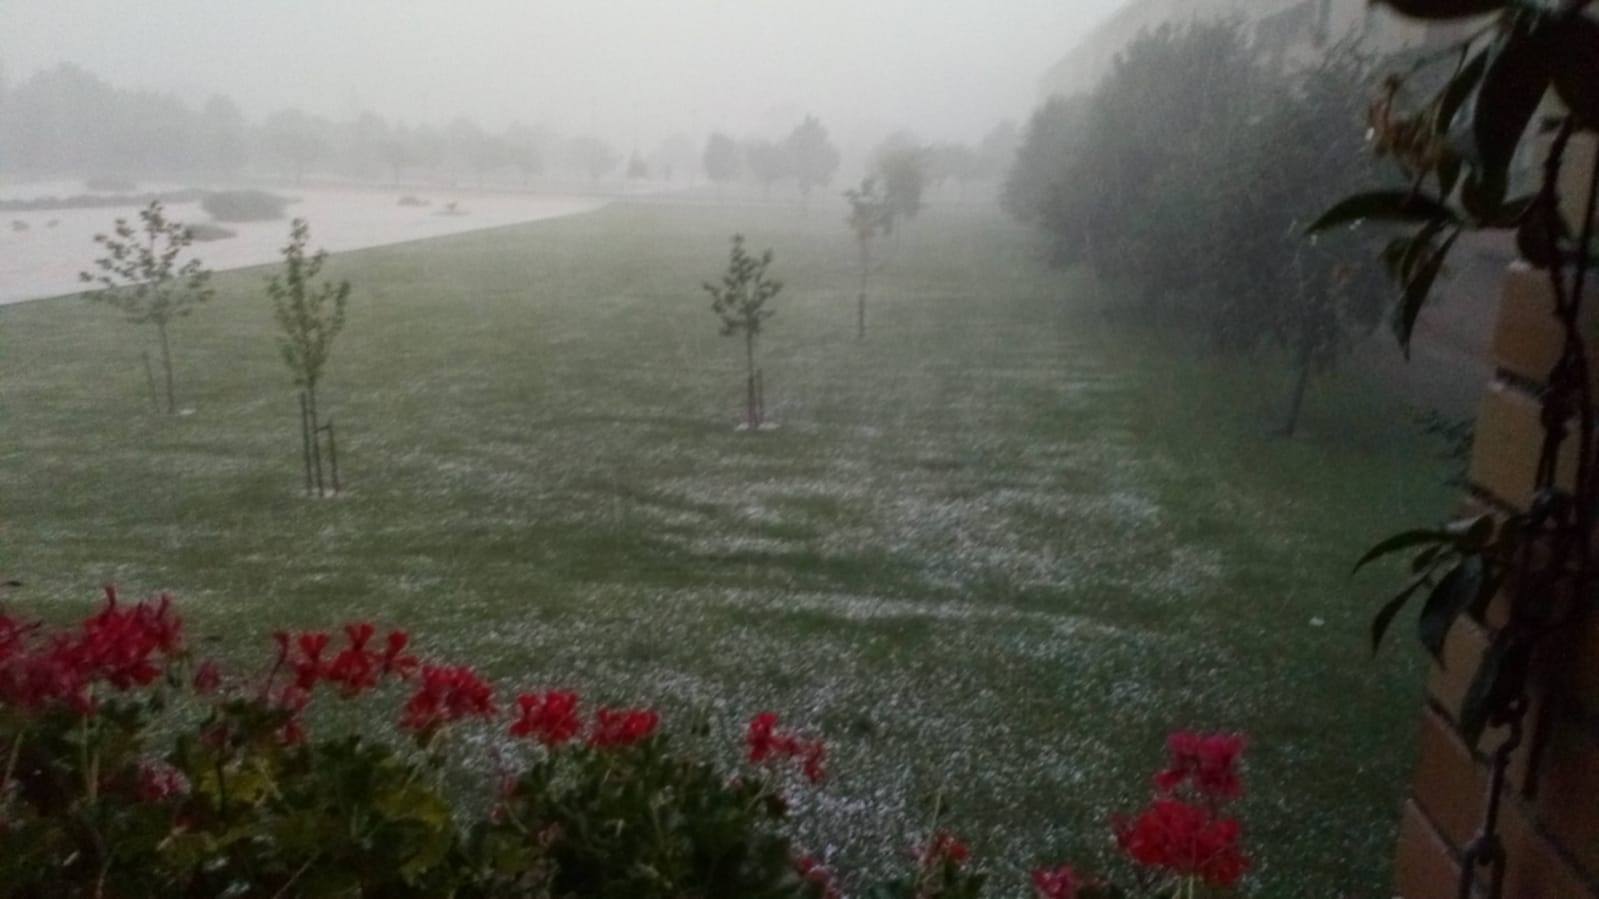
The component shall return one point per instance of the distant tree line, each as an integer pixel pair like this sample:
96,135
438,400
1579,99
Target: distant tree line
67,121
1185,182
806,159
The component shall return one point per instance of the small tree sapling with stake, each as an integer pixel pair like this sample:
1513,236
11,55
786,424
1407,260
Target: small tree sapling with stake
141,275
871,212
740,302
311,314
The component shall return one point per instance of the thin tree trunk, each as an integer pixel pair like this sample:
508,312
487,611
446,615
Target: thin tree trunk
166,367
751,413
316,440
305,439
149,378
860,306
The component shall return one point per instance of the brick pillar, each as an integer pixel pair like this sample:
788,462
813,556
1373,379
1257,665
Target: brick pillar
1550,820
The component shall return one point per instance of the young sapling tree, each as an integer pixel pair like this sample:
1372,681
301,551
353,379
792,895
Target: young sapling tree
871,212
141,275
310,313
740,303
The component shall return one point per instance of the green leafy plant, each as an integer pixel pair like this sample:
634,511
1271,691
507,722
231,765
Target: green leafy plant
310,313
739,302
871,214
1459,147
141,274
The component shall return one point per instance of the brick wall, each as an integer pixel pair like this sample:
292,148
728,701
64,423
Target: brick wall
1550,820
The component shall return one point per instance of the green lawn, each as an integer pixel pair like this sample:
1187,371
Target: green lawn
997,549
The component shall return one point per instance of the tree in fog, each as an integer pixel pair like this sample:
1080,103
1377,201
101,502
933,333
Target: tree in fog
1311,297
870,215
224,136
637,168
142,276
525,151
903,172
768,163
721,159
310,314
594,157
296,139
812,154
997,150
739,302
952,162
674,157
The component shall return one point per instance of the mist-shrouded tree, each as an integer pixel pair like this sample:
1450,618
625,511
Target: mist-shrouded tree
1312,297
720,159
739,302
310,314
525,151
903,172
812,154
675,156
296,139
144,275
953,162
768,163
637,168
870,216
593,156
224,136
997,150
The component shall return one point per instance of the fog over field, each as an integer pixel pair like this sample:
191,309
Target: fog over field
631,71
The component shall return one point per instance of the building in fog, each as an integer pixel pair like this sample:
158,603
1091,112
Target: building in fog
1281,27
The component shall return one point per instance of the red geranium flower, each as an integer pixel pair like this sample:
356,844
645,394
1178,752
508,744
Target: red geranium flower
158,781
1185,840
1207,761
445,695
623,727
550,718
766,743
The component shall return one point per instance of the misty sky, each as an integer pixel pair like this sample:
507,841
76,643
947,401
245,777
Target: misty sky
629,70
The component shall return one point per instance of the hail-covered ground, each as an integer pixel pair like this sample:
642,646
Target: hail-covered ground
994,551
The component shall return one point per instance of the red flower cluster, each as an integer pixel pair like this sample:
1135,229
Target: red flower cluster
811,871
1185,840
1056,883
118,646
447,693
354,669
1209,762
551,718
623,727
766,743
945,847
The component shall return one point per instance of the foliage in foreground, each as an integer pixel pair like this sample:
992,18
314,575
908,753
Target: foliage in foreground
133,769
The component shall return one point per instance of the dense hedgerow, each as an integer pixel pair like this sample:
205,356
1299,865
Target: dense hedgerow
133,769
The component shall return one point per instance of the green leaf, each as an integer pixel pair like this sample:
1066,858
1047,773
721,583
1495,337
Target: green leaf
1384,205
1385,615
1417,290
1444,9
1516,80
1399,541
1457,591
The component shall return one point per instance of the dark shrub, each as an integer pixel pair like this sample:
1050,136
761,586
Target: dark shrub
243,205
